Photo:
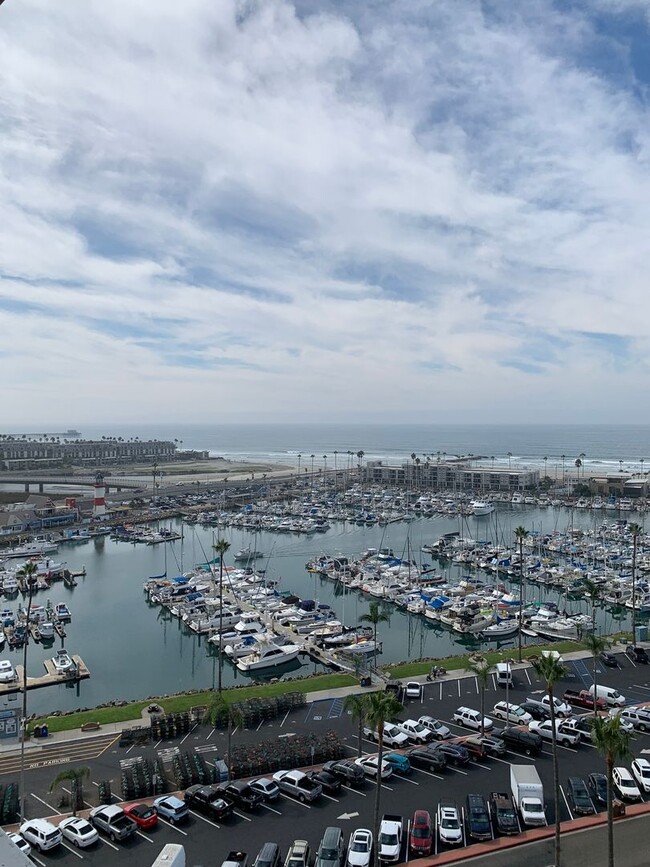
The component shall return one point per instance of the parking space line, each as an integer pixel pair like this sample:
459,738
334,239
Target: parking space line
476,685
68,792
108,843
169,825
330,798
567,803
309,709
530,683
631,661
294,801
190,732
241,816
34,858
144,836
482,767
356,791
72,849
518,757
203,819
207,739
458,682
412,782
384,786
260,725
428,773
272,809
49,806
285,719
458,771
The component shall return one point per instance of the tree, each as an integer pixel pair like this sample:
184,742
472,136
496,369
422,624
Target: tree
481,668
221,548
520,534
358,707
221,712
636,530
382,707
75,776
551,670
595,645
613,743
375,616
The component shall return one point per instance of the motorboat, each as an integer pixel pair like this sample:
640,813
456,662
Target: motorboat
364,645
248,554
268,655
63,662
46,630
501,629
481,507
62,612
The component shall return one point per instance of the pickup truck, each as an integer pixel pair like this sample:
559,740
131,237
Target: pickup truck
393,737
583,698
113,821
563,735
504,813
415,731
561,707
297,784
236,859
390,838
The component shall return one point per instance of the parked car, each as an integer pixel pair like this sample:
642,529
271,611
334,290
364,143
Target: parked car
41,834
474,747
564,736
511,713
608,659
298,854
20,843
399,763
427,758
413,690
537,711
171,808
359,848
478,818
637,654
209,801
347,771
415,731
143,815
625,784
112,820
79,832
268,856
522,740
421,837
329,782
440,731
578,794
449,828
331,848
266,788
393,736
370,766
597,785
641,773
493,745
639,717
241,794
626,724
472,719
455,754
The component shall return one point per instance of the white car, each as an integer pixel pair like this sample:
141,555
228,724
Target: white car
449,827
393,737
266,788
413,689
369,765
562,708
511,712
625,785
564,736
641,772
20,842
415,731
41,834
440,731
359,848
7,673
626,724
79,832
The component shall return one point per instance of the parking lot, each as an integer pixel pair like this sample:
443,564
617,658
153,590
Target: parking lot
284,820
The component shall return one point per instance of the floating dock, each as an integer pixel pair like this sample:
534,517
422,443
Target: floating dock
81,672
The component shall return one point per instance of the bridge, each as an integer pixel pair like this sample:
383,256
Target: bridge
115,482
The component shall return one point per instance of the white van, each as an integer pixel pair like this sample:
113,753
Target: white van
504,674
612,696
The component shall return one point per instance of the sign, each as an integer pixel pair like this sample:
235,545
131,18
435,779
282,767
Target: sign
8,724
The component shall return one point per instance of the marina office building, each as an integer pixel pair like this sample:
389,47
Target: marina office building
457,476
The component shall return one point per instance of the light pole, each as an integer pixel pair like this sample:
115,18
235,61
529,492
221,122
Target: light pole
29,572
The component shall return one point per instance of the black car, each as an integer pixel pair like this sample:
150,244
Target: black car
241,795
537,712
330,783
426,758
346,771
637,654
609,659
521,740
578,794
598,787
209,801
455,754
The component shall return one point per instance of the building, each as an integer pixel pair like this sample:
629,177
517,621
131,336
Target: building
619,485
458,476
46,452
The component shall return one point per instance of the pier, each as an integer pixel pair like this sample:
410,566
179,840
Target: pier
50,679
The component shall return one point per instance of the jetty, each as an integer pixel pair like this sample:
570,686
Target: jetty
80,672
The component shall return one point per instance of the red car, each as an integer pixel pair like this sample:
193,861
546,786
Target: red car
142,814
421,839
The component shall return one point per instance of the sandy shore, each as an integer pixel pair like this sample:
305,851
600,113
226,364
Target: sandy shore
216,469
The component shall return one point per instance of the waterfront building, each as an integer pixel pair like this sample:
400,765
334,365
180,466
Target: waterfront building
24,454
454,476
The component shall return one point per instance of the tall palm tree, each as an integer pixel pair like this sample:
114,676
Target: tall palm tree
221,548
613,743
551,671
375,616
520,534
595,644
75,776
357,705
636,530
481,668
382,707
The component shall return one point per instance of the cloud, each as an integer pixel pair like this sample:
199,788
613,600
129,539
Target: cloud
335,203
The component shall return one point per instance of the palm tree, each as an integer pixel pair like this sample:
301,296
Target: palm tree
221,548
357,705
222,712
520,534
551,670
595,644
382,707
76,777
375,616
636,530
481,668
613,743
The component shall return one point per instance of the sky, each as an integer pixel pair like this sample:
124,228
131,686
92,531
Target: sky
324,211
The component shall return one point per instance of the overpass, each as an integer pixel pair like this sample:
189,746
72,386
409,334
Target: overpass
115,482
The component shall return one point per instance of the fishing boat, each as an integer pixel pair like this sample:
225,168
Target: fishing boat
268,655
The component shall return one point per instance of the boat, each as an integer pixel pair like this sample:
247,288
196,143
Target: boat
248,554
63,662
364,645
46,630
268,655
501,629
481,507
62,612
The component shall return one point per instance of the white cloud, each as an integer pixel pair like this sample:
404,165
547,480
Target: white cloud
253,203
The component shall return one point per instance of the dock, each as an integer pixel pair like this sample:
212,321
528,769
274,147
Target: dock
49,679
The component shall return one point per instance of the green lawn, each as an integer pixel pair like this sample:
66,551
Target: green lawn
177,703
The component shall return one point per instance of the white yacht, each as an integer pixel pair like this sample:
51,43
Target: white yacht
481,507
248,554
268,655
